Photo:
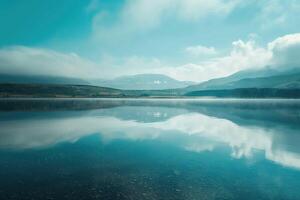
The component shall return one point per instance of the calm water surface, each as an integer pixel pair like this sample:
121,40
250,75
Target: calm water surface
149,149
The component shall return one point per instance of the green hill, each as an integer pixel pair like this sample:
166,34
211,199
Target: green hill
55,90
264,78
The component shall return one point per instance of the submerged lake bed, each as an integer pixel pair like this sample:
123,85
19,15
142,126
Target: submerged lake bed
149,149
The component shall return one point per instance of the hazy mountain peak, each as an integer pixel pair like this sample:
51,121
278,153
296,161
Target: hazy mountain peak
143,82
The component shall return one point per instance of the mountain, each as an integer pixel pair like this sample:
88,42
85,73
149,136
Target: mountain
31,79
135,82
262,78
142,82
290,81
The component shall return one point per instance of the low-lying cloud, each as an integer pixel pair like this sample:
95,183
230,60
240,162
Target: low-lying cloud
244,55
23,60
282,53
286,50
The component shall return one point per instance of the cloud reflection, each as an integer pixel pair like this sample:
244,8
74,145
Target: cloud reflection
201,133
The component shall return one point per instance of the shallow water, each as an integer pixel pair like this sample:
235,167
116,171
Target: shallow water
149,149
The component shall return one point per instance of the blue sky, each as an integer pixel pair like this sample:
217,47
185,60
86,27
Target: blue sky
185,39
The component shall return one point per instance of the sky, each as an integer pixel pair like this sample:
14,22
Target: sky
192,40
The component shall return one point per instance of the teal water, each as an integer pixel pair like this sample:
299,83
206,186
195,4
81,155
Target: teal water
149,149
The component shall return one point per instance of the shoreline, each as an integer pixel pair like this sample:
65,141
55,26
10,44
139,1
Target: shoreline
150,98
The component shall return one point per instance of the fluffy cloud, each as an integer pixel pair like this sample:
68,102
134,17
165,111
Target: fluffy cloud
200,50
244,55
149,13
286,50
282,53
35,61
142,15
23,60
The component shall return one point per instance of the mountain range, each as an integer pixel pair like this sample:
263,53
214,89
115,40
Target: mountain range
134,82
143,82
260,83
258,78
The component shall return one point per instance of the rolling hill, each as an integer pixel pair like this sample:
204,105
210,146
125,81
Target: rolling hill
57,90
264,78
142,82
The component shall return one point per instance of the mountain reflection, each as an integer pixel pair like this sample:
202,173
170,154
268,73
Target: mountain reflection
204,127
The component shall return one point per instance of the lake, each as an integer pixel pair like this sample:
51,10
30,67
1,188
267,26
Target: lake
149,149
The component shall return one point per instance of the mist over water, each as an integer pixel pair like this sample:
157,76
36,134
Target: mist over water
149,149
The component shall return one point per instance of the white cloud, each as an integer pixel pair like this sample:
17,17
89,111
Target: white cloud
197,9
286,50
278,13
35,61
283,52
23,60
200,50
142,15
151,13
244,55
